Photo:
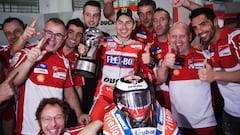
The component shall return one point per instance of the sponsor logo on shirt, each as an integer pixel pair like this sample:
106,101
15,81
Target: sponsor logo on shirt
108,39
156,50
136,46
224,50
40,78
144,131
140,35
110,80
121,61
112,45
41,68
196,64
59,72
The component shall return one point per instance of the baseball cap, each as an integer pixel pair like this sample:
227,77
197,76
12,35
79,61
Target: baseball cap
124,11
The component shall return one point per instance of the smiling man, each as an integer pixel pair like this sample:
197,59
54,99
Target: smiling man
43,72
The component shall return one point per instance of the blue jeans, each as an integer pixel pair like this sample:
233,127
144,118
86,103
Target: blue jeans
231,124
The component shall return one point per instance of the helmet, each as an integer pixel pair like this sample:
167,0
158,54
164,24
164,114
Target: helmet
92,36
132,96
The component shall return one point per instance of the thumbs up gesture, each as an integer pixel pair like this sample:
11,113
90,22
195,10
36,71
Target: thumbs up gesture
206,73
146,56
169,59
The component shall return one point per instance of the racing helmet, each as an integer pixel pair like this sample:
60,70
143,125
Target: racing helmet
132,96
92,36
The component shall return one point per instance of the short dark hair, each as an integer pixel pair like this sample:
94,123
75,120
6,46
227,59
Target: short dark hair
164,10
209,13
147,3
10,19
52,101
92,3
75,21
124,11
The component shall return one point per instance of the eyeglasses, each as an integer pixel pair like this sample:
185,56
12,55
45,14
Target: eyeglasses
48,119
49,33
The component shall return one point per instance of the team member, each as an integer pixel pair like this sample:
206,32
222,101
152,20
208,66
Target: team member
75,29
161,24
191,101
13,28
144,32
224,52
52,115
135,111
91,18
6,85
120,55
43,72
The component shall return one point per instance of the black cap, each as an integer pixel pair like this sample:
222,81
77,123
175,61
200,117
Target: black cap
124,11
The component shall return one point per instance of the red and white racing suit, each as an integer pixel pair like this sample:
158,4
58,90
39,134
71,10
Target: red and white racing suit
118,59
46,79
115,123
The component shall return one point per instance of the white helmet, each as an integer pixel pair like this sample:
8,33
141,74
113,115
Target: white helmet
132,95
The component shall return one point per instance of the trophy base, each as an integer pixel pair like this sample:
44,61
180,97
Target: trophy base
86,68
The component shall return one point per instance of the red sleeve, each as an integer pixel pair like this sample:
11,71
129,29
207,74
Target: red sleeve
147,71
78,80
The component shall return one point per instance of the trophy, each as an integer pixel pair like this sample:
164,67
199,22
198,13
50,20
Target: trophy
87,65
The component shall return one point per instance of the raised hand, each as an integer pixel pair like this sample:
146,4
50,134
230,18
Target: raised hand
82,49
92,128
108,1
7,87
179,3
190,5
84,119
206,73
146,56
30,31
169,59
37,52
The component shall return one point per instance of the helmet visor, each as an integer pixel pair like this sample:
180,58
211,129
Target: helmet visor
136,99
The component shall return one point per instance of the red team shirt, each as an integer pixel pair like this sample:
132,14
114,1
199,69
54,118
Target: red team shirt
191,98
158,51
72,57
47,79
7,107
225,55
143,35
